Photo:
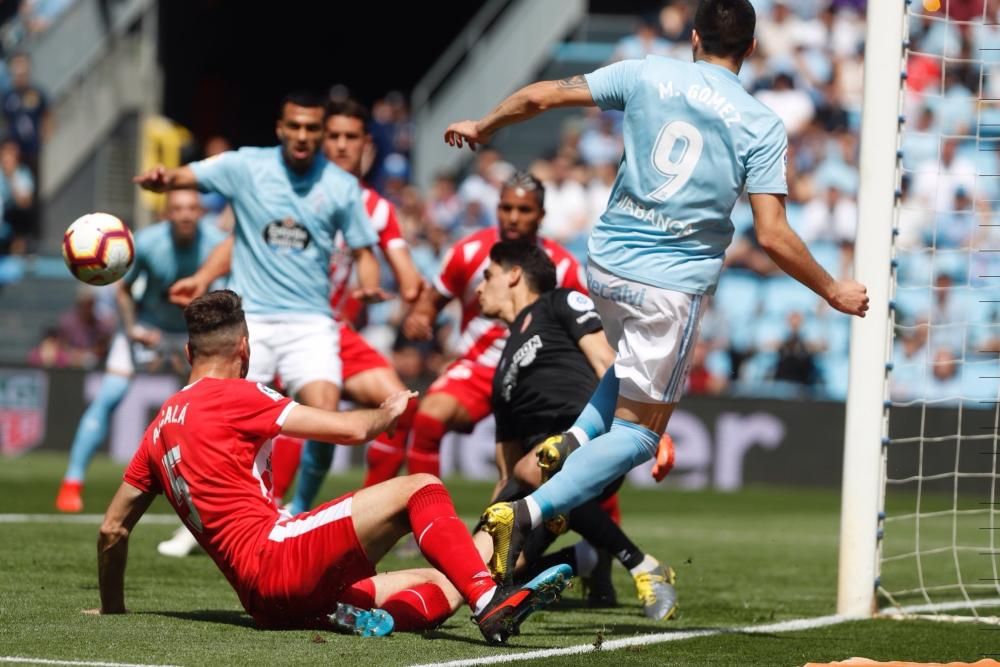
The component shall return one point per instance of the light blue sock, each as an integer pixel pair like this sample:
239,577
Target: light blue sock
588,470
599,412
93,427
315,463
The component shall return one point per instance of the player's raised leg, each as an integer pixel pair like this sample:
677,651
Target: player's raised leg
90,433
420,503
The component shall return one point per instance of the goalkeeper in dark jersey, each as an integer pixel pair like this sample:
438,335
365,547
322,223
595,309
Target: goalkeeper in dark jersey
553,360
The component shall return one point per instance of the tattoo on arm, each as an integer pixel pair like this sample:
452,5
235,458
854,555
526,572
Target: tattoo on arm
577,81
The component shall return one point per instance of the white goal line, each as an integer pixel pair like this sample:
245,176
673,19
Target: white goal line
796,625
83,663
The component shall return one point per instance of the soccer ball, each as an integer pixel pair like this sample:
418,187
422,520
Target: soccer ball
98,249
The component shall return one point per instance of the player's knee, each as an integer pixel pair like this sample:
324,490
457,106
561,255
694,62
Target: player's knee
421,479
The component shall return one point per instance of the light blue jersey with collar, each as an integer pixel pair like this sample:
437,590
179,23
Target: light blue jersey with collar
285,226
694,139
162,262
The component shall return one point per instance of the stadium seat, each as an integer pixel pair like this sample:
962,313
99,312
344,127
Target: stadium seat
828,256
833,368
912,304
783,295
914,268
737,296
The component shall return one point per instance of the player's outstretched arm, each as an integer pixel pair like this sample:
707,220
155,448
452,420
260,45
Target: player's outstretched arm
366,266
419,322
355,427
600,355
186,290
128,505
407,276
521,105
784,246
161,179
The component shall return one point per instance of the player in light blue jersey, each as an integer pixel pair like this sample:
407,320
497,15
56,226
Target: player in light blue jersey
694,141
290,203
153,332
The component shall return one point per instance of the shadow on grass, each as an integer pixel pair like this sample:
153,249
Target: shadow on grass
223,616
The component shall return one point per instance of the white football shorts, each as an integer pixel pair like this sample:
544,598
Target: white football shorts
653,331
297,348
126,357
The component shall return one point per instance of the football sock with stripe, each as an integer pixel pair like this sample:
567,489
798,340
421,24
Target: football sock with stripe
599,412
589,469
446,544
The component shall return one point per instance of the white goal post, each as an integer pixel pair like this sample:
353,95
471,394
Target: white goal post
866,421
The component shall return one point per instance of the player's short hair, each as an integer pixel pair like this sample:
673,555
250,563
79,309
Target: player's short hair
349,107
215,323
525,181
301,98
535,264
725,26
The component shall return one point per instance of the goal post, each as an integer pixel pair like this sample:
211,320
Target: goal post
866,421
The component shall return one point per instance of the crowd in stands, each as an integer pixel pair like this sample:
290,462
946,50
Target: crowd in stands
765,335
25,122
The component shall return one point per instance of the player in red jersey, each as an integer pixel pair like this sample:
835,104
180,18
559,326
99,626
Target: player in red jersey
368,377
207,451
460,398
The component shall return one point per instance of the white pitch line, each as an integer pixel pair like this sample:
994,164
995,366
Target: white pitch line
82,518
45,661
642,640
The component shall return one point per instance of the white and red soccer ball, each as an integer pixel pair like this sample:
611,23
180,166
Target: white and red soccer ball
98,249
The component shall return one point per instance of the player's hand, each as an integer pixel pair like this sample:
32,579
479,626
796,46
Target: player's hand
418,326
849,296
465,131
372,295
186,290
665,455
155,179
147,337
396,405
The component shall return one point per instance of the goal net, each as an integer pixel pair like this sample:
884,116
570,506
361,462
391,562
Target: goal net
938,549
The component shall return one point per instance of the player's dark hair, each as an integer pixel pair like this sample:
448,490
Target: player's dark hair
535,264
527,182
349,107
725,26
215,322
301,98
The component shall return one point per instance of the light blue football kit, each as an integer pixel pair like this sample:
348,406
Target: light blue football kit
160,262
285,226
694,140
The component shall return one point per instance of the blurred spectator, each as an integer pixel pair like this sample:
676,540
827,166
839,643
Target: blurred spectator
51,351
85,331
946,378
17,192
38,15
391,133
644,41
793,106
26,109
599,190
937,181
701,379
796,357
599,142
482,186
444,205
777,31
566,205
956,226
832,217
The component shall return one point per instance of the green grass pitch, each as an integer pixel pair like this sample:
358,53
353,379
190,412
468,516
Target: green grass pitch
761,556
